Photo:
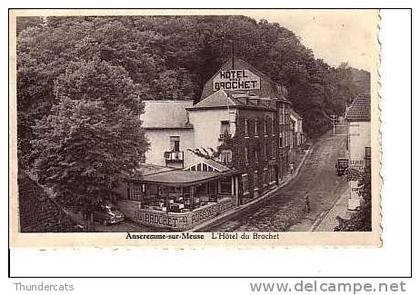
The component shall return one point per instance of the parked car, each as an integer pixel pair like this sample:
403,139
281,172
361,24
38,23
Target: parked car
107,213
342,165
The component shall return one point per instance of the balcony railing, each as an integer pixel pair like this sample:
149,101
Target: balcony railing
174,156
223,136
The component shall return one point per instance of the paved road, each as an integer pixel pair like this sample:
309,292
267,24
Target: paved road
284,210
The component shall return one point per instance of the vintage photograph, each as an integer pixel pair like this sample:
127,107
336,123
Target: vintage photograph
250,127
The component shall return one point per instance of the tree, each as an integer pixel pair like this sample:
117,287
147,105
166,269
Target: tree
92,139
172,57
362,219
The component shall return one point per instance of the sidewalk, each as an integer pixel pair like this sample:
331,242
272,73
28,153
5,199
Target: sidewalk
327,222
237,210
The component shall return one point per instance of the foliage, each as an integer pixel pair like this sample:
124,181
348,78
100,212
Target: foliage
362,219
171,57
92,138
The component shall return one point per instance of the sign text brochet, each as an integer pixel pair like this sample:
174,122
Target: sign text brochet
236,80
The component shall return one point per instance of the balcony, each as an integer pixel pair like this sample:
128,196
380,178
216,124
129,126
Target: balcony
174,156
224,136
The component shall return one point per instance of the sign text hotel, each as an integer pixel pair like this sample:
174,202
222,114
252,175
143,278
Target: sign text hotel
236,80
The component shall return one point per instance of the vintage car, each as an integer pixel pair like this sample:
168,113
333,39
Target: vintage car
107,213
342,166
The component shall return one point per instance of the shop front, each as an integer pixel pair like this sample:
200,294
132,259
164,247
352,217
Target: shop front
179,200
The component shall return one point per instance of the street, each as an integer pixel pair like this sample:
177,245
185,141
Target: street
284,210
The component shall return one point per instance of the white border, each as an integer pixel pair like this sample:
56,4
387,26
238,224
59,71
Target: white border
391,260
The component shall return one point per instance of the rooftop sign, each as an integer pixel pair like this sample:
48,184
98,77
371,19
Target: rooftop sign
236,80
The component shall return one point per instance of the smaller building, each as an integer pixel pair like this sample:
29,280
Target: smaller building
298,137
169,132
177,200
359,143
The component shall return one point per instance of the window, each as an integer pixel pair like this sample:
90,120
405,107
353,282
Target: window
281,141
272,174
256,155
266,126
224,128
134,192
265,177
256,127
246,128
273,149
282,116
255,179
368,152
226,156
267,147
226,186
273,124
245,184
265,151
205,167
246,155
174,142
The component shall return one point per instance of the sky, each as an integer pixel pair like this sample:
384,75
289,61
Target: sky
334,36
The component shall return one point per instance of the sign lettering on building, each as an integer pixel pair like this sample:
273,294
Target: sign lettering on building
236,80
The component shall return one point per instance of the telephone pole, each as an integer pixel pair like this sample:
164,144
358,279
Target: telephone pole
334,121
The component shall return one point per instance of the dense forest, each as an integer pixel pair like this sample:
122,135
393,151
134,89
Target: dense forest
161,57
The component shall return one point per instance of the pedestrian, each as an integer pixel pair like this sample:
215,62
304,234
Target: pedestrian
307,201
292,167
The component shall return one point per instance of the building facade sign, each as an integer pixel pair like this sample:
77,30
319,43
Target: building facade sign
175,221
236,80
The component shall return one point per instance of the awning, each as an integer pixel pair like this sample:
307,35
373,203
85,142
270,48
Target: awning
183,178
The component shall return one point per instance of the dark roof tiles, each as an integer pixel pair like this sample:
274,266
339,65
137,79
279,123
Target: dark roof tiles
359,110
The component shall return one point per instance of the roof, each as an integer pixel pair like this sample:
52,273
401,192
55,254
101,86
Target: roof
269,88
224,98
38,212
166,114
216,165
217,99
177,177
360,109
148,169
219,167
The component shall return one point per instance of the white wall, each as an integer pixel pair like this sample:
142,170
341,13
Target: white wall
207,126
359,138
159,143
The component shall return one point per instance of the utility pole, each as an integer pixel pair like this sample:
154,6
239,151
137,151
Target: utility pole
334,121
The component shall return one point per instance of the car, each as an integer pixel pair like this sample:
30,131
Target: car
342,166
107,213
